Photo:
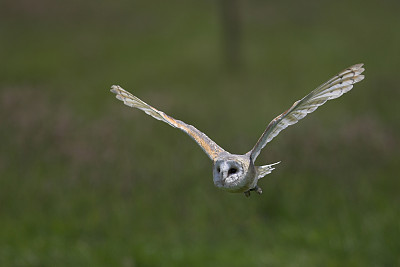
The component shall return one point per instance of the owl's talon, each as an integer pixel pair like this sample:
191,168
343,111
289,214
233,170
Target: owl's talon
247,193
258,190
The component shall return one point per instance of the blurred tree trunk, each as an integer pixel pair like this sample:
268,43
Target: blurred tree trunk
231,33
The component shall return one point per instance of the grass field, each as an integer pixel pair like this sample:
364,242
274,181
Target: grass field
86,181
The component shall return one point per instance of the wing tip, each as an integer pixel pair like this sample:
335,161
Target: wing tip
115,89
357,68
359,78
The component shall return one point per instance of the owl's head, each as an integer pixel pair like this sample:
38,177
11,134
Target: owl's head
228,173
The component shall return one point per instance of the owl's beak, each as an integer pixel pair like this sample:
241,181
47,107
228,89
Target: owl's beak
224,175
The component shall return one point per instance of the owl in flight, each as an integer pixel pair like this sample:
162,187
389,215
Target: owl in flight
237,173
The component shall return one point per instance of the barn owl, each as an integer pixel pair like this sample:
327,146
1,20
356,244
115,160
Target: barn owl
237,173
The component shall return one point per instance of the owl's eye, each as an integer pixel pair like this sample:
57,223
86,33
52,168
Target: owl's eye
232,171
218,169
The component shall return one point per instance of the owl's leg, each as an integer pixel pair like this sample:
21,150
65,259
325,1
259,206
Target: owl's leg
257,189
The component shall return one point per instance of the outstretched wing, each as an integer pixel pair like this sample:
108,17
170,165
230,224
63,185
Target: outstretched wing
335,87
208,145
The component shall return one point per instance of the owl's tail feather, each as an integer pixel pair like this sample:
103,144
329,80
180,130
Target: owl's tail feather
266,169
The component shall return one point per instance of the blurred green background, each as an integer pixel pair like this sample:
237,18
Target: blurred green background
86,181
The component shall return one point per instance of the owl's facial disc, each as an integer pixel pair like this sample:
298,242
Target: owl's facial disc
228,171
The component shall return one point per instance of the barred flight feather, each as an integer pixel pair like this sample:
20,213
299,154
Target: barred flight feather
209,146
333,88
